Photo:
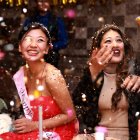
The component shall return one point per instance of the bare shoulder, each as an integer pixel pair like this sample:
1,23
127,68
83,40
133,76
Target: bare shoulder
52,73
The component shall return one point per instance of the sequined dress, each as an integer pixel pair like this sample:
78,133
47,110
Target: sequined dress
50,109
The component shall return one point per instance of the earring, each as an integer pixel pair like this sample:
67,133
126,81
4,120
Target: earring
45,52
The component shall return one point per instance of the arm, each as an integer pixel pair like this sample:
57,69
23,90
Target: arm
59,92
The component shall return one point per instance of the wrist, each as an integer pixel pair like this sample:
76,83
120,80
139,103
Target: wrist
36,125
94,73
44,126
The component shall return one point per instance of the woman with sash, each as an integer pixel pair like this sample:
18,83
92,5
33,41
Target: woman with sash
41,84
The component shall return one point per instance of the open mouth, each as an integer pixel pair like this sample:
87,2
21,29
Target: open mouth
116,52
32,52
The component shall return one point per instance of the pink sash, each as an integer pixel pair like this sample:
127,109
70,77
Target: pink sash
20,85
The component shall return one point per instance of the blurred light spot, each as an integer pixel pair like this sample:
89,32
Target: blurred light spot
9,47
70,13
24,10
31,97
1,19
70,61
69,112
11,103
2,54
40,88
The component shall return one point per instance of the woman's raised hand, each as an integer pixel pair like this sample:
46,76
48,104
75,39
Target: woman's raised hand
100,58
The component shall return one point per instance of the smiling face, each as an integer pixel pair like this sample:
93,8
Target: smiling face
34,45
113,39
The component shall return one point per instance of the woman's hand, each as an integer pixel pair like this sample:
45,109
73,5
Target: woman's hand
100,58
132,83
24,125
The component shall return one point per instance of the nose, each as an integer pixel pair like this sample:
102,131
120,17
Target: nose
114,43
33,43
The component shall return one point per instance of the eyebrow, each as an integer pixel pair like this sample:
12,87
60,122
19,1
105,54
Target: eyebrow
33,37
111,37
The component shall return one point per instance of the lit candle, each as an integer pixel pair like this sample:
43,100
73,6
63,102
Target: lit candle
40,122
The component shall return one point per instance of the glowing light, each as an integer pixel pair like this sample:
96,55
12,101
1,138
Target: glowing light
1,19
69,111
2,54
70,61
12,103
83,96
101,19
137,114
9,47
3,24
36,93
70,13
12,3
138,20
24,10
31,97
40,88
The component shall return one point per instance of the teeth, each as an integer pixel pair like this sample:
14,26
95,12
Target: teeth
33,52
116,51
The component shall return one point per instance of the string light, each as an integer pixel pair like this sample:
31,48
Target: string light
12,3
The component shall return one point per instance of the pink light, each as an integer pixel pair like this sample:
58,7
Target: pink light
69,111
70,13
2,54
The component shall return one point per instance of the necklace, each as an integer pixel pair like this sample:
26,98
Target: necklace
36,78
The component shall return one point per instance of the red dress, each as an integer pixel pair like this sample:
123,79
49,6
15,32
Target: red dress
50,109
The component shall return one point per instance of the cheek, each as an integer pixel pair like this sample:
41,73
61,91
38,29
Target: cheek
21,48
44,48
121,47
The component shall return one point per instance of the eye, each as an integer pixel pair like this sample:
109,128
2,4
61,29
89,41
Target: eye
40,40
119,40
108,41
27,39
